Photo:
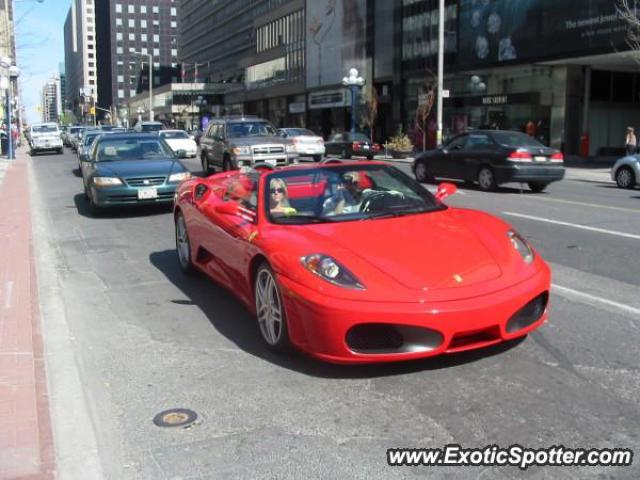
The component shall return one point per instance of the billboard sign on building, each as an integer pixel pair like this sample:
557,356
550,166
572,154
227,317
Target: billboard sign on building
336,40
499,31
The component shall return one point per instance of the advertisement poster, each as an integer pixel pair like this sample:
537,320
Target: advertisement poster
336,40
498,31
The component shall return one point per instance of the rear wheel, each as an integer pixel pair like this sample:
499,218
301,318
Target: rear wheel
422,172
538,187
270,310
486,179
625,178
183,245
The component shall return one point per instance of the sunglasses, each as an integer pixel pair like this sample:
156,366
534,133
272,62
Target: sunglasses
277,190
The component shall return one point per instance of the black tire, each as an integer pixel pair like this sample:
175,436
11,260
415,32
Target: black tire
317,158
538,187
206,168
369,157
486,179
345,154
279,341
183,250
625,178
94,210
422,173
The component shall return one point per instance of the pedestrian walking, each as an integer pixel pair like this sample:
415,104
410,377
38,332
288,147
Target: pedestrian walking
631,143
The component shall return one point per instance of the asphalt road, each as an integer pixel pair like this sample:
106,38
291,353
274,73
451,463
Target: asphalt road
129,336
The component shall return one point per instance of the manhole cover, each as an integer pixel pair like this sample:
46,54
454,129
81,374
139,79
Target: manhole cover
176,417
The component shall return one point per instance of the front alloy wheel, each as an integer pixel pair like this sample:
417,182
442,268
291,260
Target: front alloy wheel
625,178
183,247
486,180
269,310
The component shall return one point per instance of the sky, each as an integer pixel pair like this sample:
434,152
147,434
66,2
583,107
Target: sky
40,47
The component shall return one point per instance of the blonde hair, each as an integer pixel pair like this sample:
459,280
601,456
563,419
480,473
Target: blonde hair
279,183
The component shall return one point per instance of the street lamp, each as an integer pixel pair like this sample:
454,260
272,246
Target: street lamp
354,82
150,57
13,71
440,69
201,103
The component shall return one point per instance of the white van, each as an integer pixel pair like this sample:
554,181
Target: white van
45,136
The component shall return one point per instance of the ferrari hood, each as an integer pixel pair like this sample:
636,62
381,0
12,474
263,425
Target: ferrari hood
421,252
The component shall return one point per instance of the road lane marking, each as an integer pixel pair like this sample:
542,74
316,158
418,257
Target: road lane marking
574,225
586,204
593,299
8,288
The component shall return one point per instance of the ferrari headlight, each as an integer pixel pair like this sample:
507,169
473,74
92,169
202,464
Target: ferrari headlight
330,270
521,245
242,151
179,177
106,181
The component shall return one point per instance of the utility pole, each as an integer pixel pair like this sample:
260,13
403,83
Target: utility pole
440,69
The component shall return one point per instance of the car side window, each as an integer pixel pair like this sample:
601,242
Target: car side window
457,143
478,141
337,137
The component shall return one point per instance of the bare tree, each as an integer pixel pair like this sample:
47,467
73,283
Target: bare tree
426,99
628,12
370,114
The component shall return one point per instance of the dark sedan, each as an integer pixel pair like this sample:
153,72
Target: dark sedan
349,145
491,158
131,169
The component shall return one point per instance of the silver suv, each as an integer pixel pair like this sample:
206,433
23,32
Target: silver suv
233,142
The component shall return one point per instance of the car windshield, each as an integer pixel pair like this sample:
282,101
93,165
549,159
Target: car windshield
515,139
299,132
117,149
344,193
45,128
359,137
151,127
250,129
176,134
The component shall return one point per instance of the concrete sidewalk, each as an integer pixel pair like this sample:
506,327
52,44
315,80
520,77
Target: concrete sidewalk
26,441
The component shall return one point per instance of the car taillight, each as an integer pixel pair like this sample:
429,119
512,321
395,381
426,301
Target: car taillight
376,146
557,157
356,145
520,155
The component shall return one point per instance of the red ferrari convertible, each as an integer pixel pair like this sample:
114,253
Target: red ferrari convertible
358,263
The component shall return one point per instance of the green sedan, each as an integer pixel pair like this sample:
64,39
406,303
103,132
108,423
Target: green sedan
131,169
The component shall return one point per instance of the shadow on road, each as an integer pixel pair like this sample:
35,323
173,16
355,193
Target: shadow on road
82,205
229,317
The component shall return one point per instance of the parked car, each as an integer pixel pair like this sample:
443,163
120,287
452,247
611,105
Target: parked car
626,171
360,285
491,158
347,145
45,137
148,127
305,142
131,169
74,137
88,137
240,141
179,140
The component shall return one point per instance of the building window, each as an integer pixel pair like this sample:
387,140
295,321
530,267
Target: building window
132,37
156,38
120,78
143,37
155,9
119,50
173,11
143,51
174,52
174,24
143,9
131,9
119,36
132,23
118,8
156,52
118,21
132,92
120,93
156,23
143,23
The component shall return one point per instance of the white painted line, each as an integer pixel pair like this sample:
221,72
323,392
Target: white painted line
574,225
592,299
586,204
8,288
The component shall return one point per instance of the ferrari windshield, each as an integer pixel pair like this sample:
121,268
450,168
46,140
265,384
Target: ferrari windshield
117,149
344,193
